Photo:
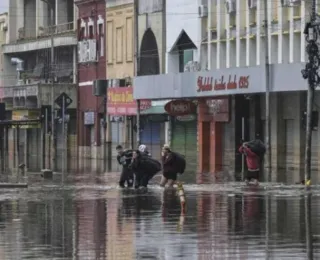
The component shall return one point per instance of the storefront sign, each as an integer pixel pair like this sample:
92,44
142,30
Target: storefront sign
205,84
186,118
180,107
120,102
26,115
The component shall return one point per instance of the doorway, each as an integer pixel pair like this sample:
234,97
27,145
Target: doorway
205,146
242,127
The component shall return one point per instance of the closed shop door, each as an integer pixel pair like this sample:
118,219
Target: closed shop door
184,141
22,145
289,126
34,149
150,136
117,138
60,147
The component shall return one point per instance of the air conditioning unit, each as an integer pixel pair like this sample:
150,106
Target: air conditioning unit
230,6
5,27
203,11
252,4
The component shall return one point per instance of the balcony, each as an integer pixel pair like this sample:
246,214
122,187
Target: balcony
64,35
28,96
67,28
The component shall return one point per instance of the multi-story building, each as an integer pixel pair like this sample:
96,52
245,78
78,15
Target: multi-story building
3,40
91,67
39,63
120,66
227,77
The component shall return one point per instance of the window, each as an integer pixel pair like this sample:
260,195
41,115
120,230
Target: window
82,33
110,41
101,39
91,32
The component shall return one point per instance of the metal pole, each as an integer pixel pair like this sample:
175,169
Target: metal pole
136,36
242,155
64,136
268,128
268,203
308,220
53,151
45,138
310,99
138,122
104,139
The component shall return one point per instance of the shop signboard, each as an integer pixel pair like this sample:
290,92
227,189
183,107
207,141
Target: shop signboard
186,118
180,108
120,102
26,115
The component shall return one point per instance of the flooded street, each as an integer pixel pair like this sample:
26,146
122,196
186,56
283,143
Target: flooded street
90,218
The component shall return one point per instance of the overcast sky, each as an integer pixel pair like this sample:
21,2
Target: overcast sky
4,6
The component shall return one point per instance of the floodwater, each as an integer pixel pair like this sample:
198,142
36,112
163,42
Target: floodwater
88,217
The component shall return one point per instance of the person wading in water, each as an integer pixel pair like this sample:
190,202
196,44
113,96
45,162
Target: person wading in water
253,164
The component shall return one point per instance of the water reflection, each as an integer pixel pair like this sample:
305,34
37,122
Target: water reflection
97,222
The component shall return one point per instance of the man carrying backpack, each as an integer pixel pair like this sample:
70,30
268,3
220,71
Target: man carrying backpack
172,164
124,158
254,152
144,168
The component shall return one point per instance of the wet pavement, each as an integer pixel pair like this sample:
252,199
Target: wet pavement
90,218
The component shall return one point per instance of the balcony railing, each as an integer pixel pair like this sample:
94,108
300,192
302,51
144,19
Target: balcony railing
24,34
56,29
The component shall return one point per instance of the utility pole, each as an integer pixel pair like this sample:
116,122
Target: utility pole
311,73
51,146
267,79
136,63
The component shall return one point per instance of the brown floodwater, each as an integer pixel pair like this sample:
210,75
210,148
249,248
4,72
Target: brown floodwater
89,217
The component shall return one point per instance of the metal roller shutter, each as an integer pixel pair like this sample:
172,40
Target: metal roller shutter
289,126
184,141
116,138
34,149
150,136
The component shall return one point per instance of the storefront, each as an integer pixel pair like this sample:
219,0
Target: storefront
27,141
231,107
122,111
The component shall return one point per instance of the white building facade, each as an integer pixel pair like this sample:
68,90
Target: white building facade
224,43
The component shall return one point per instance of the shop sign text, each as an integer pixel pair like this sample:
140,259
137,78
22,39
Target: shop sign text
231,82
180,107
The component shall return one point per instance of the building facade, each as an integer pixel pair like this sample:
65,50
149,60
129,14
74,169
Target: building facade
3,40
91,67
120,66
226,78
39,63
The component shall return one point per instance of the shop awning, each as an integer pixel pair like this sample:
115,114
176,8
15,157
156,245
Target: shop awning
154,110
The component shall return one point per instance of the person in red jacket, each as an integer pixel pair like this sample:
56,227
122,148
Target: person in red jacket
253,164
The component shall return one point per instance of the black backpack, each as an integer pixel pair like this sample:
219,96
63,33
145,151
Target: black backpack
180,162
258,147
151,165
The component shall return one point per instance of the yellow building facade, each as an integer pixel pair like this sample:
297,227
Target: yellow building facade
120,63
120,41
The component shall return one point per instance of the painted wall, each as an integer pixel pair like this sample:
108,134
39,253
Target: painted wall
181,15
151,16
89,72
120,41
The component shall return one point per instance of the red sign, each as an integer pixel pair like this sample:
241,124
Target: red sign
180,107
120,102
205,84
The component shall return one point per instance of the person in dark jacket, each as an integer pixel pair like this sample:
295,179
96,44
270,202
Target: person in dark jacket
169,175
253,164
124,158
142,169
